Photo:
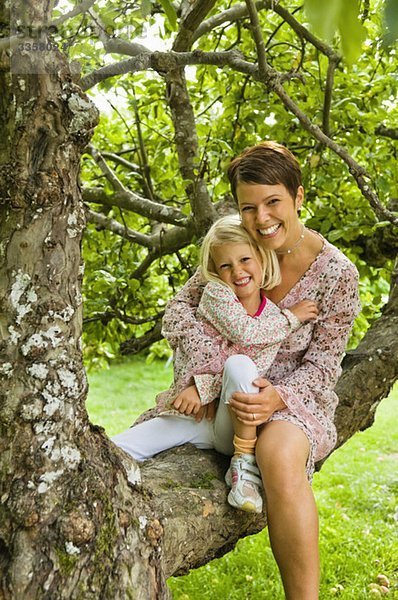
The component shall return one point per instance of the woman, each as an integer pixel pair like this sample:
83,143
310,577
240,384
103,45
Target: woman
243,333
295,407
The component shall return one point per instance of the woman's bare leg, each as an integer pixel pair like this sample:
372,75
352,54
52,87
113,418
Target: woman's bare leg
282,451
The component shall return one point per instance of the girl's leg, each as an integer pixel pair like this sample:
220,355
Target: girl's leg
282,451
239,373
161,433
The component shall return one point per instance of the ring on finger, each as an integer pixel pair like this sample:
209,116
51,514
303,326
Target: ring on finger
254,416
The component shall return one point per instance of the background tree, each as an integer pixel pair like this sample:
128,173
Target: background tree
76,519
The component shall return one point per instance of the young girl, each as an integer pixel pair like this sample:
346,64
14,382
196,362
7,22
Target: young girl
241,335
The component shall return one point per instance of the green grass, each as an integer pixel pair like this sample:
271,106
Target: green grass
119,394
356,492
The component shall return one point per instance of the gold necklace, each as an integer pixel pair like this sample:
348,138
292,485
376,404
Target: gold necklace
302,235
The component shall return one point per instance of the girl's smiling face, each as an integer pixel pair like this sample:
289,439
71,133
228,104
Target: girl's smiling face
239,266
269,214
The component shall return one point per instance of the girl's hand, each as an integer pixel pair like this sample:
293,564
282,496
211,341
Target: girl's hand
208,411
188,402
255,409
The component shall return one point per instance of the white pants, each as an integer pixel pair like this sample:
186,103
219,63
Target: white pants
161,433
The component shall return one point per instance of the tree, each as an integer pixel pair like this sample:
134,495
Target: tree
78,518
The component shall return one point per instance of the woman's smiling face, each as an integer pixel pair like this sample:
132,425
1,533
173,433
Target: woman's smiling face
269,214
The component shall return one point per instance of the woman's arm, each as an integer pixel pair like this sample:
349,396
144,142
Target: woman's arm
220,307
321,364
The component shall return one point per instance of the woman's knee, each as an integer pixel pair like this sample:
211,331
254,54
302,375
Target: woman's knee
282,460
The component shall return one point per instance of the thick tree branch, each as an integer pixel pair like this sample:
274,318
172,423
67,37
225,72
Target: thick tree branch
132,202
187,146
165,61
369,373
103,222
183,118
190,21
192,482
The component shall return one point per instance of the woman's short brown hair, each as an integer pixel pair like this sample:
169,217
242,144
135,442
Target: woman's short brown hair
268,163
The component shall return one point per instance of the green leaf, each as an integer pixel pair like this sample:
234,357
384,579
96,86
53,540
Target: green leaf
352,32
146,8
170,13
391,21
324,16
328,17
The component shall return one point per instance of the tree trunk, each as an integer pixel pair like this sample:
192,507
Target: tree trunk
71,520
79,519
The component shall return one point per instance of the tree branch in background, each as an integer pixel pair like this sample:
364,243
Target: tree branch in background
144,266
136,344
166,61
83,7
182,114
327,101
357,171
166,241
258,38
303,32
272,81
103,222
391,132
240,11
121,161
145,168
137,204
107,316
105,168
189,23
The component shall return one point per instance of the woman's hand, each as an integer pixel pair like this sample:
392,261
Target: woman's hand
255,409
188,403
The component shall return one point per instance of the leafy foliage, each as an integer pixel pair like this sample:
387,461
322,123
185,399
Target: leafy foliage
231,110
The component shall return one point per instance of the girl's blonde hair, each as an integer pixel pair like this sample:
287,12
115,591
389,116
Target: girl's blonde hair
229,230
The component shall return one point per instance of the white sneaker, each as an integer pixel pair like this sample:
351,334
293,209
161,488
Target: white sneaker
246,484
